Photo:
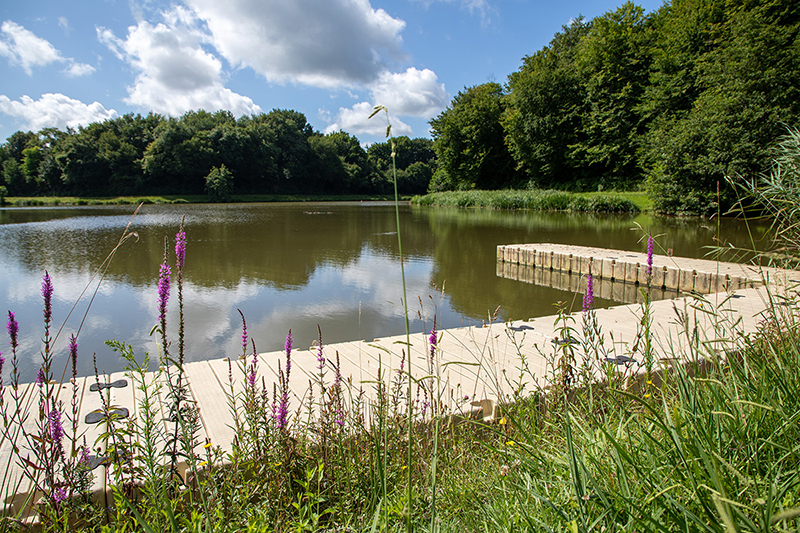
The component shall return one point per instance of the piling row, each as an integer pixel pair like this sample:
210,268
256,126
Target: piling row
666,273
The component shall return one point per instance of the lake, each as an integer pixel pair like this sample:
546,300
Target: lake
293,266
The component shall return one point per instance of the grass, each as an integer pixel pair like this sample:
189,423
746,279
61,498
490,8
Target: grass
53,201
540,200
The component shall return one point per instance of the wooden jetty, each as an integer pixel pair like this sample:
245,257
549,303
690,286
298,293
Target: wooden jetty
480,366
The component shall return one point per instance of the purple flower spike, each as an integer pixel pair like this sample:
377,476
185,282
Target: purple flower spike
73,350
40,378
47,294
13,329
650,243
244,332
283,406
251,379
180,248
56,429
163,291
588,298
288,348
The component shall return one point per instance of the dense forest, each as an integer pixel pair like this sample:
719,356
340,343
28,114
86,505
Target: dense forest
670,102
208,153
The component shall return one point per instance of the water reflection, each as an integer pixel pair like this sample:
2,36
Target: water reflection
291,266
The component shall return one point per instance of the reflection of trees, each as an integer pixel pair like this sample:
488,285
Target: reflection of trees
278,244
466,241
284,244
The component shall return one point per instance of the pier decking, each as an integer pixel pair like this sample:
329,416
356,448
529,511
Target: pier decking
476,363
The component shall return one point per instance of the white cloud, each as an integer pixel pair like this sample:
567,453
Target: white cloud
356,120
330,44
413,93
54,110
175,73
22,47
76,70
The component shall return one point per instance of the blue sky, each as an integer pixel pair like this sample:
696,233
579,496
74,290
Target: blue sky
81,61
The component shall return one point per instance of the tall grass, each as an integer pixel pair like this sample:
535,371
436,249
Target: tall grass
537,200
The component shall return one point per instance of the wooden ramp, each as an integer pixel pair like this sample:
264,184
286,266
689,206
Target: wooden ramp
478,366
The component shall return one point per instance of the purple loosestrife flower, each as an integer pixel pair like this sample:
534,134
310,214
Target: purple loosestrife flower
40,378
251,379
432,340
283,406
650,243
59,495
163,292
244,334
56,429
180,248
73,352
47,294
13,330
588,298
288,348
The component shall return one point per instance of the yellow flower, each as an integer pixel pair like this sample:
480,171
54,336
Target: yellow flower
502,421
646,396
510,443
649,381
207,445
204,463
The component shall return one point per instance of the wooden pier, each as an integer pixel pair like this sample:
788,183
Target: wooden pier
480,366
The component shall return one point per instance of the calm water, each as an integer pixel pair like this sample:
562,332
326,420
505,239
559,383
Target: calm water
295,266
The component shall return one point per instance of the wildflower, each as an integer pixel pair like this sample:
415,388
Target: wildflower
59,495
244,334
649,381
646,396
163,292
320,355
251,379
83,460
73,351
503,421
588,298
510,443
13,329
432,340
180,248
503,470
56,429
47,294
283,406
40,378
650,243
288,348
207,445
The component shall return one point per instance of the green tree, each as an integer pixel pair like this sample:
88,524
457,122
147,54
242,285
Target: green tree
613,62
469,140
219,184
545,104
747,81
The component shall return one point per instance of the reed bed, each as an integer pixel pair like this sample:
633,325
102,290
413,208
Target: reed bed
537,200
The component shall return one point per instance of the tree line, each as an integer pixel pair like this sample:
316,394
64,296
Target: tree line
207,153
671,102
